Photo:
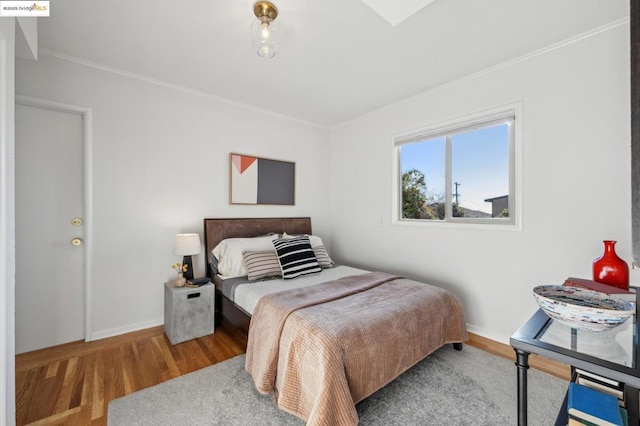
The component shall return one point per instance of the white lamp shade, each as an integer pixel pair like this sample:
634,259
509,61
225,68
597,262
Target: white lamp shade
186,244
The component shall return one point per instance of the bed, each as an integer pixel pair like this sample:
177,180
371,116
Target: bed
324,341
217,230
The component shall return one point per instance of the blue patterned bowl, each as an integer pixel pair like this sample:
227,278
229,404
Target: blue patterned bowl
583,309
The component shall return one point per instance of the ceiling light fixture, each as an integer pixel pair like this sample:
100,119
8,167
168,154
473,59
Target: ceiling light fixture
265,33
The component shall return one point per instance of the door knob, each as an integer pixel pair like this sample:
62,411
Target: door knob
76,242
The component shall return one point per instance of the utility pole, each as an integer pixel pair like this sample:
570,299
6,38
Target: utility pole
456,194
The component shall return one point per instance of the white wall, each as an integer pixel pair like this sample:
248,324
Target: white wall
7,223
161,165
576,174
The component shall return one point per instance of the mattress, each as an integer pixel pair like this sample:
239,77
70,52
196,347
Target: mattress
246,294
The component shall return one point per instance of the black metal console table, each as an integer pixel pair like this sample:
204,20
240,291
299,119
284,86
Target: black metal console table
612,354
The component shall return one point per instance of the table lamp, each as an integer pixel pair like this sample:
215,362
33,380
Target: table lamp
187,245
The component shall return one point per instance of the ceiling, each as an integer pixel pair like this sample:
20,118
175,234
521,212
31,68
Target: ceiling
396,11
339,58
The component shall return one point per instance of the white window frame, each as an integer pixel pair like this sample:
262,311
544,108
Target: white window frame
511,114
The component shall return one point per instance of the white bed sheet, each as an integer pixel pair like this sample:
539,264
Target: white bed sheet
247,295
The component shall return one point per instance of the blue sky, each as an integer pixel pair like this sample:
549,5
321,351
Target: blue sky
480,163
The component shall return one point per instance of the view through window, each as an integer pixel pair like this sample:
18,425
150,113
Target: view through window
462,174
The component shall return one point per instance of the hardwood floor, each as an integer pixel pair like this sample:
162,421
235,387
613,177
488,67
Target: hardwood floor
72,384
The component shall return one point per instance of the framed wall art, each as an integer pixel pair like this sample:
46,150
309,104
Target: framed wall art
255,180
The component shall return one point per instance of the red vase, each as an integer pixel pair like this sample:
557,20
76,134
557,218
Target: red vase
610,269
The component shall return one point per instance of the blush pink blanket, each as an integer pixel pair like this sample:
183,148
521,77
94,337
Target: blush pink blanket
324,348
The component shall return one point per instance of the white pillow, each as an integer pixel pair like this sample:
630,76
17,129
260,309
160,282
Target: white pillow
229,253
313,239
318,249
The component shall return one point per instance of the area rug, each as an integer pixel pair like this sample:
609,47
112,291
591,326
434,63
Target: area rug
449,387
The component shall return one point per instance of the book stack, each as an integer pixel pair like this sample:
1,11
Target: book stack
587,406
602,288
603,384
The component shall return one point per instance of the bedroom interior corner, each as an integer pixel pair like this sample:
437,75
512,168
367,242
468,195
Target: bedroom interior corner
573,86
549,82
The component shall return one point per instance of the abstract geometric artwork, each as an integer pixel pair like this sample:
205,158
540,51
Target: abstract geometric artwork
255,180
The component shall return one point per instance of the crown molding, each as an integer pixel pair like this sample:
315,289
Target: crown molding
539,52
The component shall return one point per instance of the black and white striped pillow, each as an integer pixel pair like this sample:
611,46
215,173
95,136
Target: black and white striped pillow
296,257
261,264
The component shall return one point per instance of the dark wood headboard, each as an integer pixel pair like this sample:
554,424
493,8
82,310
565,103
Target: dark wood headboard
216,230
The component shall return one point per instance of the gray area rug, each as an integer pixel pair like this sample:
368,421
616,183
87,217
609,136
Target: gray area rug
449,387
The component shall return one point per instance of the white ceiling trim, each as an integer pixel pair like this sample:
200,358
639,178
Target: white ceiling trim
588,34
396,11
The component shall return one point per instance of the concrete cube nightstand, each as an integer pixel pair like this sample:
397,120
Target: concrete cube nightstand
189,312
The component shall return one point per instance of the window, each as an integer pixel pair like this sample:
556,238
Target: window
459,173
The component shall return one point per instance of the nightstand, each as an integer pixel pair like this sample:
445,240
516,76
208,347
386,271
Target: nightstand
188,311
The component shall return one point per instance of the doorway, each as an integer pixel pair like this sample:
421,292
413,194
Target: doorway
52,256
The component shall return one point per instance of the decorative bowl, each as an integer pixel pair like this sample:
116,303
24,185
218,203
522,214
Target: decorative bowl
583,309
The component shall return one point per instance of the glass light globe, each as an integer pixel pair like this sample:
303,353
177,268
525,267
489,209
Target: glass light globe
265,35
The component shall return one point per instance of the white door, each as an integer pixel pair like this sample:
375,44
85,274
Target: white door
49,209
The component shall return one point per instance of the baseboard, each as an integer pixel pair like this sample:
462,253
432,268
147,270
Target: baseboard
560,370
481,332
477,340
128,329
